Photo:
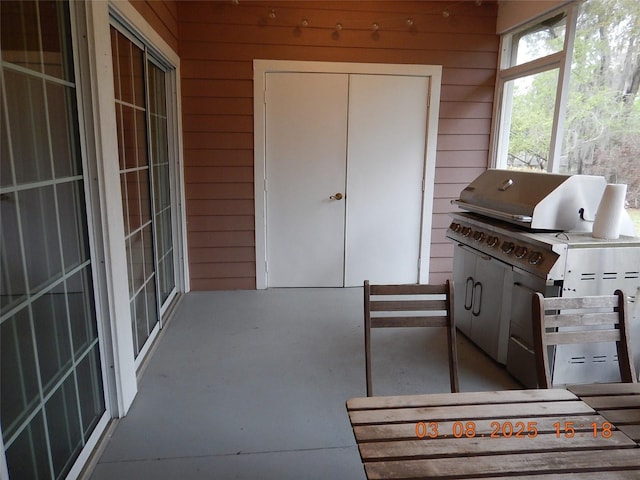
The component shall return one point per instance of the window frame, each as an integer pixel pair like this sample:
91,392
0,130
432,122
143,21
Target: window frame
500,129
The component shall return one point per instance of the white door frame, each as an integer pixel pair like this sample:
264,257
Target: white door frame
121,379
262,67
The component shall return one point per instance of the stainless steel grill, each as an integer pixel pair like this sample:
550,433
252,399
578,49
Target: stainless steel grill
535,200
528,232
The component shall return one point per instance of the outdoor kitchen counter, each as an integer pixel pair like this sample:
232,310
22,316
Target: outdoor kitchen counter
513,433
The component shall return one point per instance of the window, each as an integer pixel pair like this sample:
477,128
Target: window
541,40
531,124
568,95
603,108
528,83
51,392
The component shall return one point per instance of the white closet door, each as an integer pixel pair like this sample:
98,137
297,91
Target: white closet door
385,171
306,128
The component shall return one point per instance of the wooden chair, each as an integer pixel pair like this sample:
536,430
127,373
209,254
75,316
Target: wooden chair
552,313
411,306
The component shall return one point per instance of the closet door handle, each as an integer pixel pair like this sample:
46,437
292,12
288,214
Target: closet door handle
337,196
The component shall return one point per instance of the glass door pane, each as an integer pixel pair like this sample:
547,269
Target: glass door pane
161,180
142,119
131,115
51,392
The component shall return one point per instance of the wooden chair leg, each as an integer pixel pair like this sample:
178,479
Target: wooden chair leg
452,341
625,358
367,338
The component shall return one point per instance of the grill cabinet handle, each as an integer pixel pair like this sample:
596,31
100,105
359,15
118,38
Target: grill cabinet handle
468,294
476,311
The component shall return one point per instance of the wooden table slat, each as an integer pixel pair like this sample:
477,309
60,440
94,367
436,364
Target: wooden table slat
451,447
620,475
605,389
631,431
515,410
629,415
461,398
491,465
611,402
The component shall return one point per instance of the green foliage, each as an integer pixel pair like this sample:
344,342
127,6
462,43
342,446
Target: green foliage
533,105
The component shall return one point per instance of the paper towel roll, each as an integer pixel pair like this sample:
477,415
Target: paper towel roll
609,214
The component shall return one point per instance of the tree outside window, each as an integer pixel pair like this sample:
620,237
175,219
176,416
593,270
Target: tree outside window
601,134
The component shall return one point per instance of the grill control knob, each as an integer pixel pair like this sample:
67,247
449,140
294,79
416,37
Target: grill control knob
492,241
455,227
535,258
507,247
478,236
466,231
521,252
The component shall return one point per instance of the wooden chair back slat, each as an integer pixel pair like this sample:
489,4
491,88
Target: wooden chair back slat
410,289
568,338
580,319
408,305
577,303
391,322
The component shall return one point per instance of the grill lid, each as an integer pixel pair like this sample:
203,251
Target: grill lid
540,201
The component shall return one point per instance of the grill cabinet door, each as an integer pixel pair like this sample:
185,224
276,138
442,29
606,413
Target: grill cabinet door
482,308
464,265
491,306
521,360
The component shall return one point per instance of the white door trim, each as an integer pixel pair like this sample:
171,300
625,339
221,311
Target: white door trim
103,124
262,67
122,381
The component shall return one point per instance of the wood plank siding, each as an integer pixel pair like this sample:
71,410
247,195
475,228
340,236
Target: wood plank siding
218,42
162,15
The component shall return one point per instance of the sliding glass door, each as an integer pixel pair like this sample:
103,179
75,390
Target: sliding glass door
161,180
143,151
51,392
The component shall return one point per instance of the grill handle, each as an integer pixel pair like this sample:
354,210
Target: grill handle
492,213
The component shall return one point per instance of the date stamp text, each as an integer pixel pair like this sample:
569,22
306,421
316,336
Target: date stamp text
507,429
